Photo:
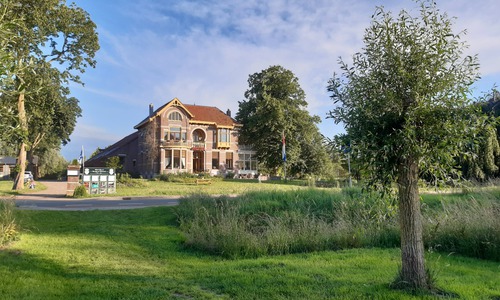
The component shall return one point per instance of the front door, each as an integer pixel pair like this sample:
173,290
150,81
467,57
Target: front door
198,163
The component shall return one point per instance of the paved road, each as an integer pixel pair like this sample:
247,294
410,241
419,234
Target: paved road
53,198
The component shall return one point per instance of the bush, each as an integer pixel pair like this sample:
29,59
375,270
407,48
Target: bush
9,230
127,180
80,192
183,177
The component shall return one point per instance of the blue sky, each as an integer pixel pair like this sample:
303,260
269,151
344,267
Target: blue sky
202,52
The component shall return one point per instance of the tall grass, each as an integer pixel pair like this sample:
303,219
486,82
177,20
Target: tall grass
9,230
469,227
260,223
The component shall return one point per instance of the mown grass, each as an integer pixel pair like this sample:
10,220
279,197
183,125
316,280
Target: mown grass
139,254
141,187
6,189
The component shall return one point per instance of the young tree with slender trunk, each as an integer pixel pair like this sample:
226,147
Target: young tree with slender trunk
405,105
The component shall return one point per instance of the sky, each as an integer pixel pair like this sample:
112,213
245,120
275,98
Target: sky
202,52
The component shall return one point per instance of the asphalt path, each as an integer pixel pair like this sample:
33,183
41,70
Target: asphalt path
53,198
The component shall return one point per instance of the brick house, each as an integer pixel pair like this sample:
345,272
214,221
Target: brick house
178,138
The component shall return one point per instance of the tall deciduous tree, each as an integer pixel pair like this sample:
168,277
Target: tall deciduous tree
8,125
50,33
275,105
485,163
405,105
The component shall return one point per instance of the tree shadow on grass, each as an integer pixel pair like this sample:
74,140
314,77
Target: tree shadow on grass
25,276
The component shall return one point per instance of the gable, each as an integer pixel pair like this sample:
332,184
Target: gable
197,114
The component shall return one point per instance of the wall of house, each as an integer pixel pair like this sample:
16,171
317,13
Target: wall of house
156,150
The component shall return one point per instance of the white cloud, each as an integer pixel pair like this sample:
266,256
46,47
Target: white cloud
203,51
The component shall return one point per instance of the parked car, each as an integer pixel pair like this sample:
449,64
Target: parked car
27,176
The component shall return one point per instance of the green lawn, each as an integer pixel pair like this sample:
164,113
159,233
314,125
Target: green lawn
138,254
142,187
160,188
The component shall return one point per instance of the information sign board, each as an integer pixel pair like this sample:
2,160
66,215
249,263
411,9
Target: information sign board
99,180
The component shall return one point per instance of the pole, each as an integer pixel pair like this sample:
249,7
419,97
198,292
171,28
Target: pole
349,167
284,168
283,152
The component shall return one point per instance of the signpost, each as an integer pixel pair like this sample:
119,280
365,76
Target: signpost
99,180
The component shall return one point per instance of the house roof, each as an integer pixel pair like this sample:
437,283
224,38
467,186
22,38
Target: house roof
210,114
196,114
8,160
100,158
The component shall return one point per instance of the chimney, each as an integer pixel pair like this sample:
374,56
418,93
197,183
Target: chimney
228,113
151,109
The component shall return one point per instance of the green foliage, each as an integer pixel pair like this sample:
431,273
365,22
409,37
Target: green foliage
126,180
114,162
9,229
80,192
406,94
183,177
52,165
97,151
275,105
47,49
404,102
484,162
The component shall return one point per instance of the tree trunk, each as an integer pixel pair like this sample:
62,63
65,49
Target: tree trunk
21,159
413,273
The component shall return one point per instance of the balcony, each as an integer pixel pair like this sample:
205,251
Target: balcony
197,146
223,145
175,144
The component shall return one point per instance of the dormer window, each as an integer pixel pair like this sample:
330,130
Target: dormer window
175,116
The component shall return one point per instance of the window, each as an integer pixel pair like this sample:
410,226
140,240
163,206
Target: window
229,160
198,136
175,116
215,160
168,160
175,134
224,135
247,161
175,159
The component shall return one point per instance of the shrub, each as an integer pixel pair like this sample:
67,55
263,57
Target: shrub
80,192
9,230
183,177
127,180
